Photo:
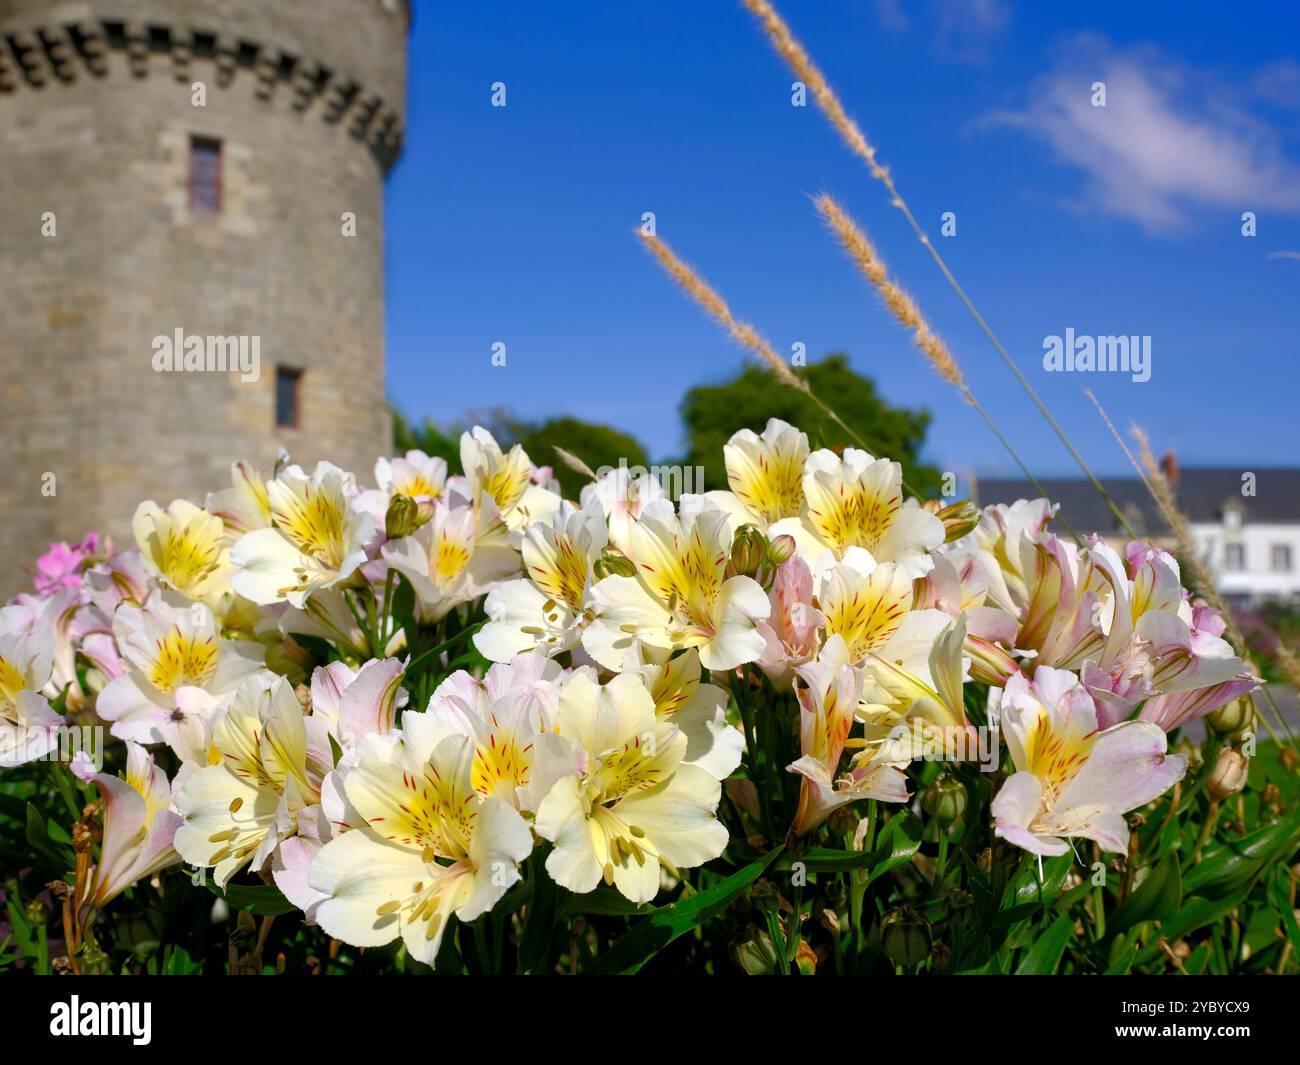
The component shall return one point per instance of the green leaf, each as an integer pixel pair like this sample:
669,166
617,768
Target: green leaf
539,927
1226,867
264,900
1157,898
1045,955
602,902
38,836
1028,888
655,932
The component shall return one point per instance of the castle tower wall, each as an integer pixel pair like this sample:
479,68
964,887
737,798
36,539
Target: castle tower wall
305,102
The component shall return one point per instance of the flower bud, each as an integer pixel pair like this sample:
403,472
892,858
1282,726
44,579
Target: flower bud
958,518
748,550
1228,775
780,549
805,959
757,957
402,517
765,896
613,563
945,800
905,935
1234,718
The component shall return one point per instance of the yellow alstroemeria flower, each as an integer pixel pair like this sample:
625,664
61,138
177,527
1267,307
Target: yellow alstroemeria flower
185,547
765,474
506,477
856,500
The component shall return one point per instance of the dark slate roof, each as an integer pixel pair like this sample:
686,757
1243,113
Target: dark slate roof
1203,492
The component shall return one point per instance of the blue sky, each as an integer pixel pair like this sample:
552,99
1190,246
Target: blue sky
515,224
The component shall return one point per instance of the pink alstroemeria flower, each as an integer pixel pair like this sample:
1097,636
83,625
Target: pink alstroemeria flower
828,701
139,824
1071,778
791,628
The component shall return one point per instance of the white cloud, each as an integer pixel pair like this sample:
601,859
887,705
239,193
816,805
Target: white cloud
1167,143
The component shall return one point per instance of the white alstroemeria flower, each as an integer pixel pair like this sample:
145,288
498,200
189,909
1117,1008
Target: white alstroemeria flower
548,607
317,539
414,474
350,704
857,501
139,826
531,678
239,809
1072,779
184,547
245,505
698,709
620,497
447,560
681,596
179,668
636,807
828,699
430,846
506,478
766,475
28,724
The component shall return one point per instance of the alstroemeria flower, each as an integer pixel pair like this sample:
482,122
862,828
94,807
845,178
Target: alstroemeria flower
863,603
790,632
506,478
238,809
447,559
765,474
28,724
430,846
857,501
63,565
681,596
184,547
1071,778
548,608
179,669
621,498
636,807
139,825
828,701
317,539
912,692
350,705
698,709
245,505
414,474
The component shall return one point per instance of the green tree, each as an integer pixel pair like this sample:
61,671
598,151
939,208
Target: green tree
712,413
426,436
597,446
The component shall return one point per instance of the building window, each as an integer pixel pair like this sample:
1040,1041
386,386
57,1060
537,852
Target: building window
288,397
1234,557
205,174
1281,558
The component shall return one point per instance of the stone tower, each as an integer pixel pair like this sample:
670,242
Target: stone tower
210,166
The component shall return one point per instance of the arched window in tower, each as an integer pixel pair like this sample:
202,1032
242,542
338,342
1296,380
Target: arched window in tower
205,174
288,399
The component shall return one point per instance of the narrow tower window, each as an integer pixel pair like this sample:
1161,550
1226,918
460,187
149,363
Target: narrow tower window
288,386
205,174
